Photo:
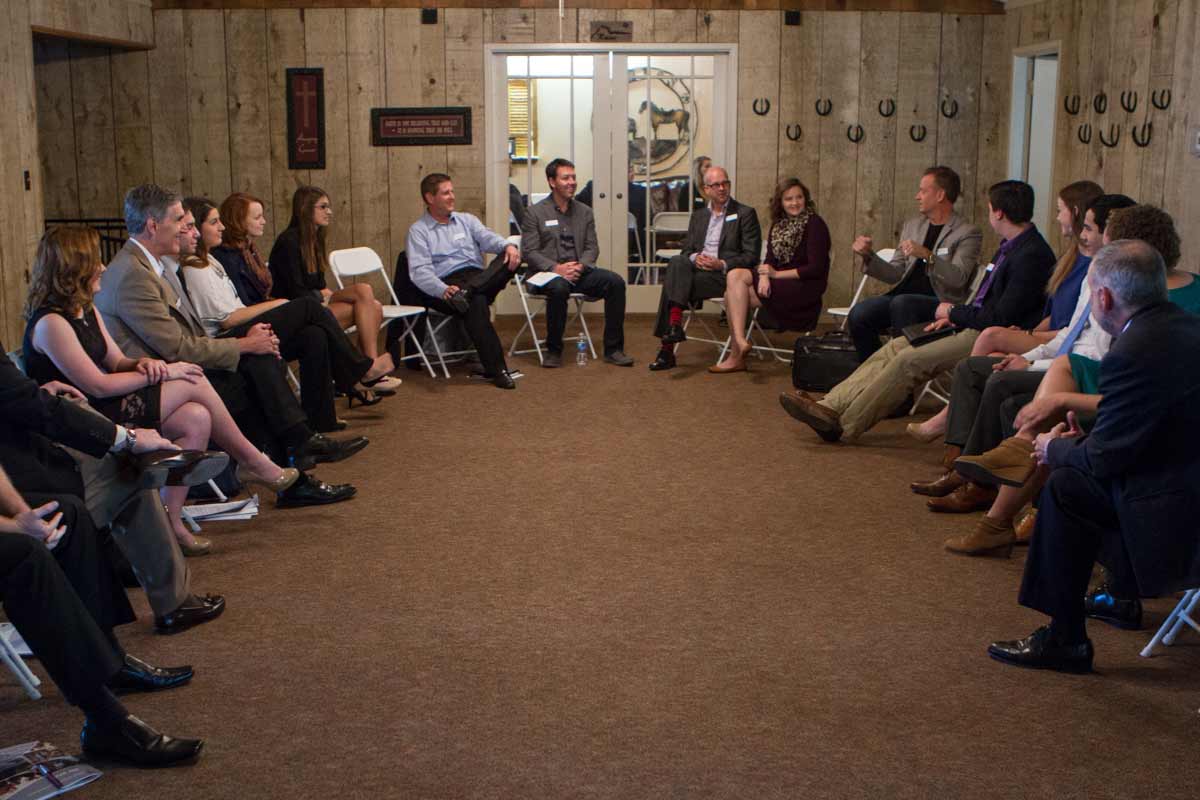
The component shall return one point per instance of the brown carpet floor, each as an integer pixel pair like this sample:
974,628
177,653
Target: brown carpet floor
617,584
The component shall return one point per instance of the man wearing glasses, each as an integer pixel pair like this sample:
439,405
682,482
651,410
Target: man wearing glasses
721,236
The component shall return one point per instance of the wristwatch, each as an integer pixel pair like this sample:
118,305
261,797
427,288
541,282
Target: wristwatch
130,441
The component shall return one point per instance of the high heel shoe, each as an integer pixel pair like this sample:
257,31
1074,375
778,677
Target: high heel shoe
288,476
365,397
199,546
913,429
384,384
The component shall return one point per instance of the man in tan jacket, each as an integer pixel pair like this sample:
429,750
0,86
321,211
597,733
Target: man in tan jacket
148,314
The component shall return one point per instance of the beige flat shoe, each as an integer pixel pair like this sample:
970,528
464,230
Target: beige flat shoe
913,429
289,476
198,547
717,369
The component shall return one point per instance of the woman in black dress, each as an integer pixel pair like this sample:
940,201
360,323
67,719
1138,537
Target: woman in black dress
65,340
298,262
790,282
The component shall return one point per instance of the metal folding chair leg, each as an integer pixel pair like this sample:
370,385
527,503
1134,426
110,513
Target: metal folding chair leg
29,682
1181,615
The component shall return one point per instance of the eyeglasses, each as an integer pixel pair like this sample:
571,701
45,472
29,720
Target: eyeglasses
324,206
716,185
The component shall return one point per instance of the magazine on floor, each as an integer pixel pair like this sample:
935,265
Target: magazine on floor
37,770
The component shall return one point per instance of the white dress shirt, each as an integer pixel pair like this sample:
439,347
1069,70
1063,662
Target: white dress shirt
1092,343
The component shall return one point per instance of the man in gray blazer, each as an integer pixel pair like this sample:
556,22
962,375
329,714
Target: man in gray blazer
934,262
721,235
558,235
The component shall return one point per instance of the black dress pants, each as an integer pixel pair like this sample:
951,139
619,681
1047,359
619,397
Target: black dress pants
593,282
1076,525
683,285
50,615
977,402
877,315
309,333
484,284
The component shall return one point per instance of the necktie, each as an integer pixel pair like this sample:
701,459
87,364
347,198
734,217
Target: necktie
1076,329
185,304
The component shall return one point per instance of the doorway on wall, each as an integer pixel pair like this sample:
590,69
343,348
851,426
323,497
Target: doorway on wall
1034,110
634,119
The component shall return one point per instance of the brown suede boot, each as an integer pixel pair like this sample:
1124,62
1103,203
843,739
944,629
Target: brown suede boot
990,538
1010,463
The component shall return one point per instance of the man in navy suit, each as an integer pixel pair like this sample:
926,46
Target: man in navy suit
1128,493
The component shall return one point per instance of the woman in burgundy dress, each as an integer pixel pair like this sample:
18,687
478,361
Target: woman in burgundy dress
792,278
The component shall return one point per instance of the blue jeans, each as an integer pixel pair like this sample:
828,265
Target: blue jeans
875,315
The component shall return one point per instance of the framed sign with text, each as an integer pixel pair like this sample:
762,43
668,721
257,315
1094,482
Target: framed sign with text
420,126
306,118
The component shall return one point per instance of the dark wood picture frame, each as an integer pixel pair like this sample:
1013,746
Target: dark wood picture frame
412,118
306,131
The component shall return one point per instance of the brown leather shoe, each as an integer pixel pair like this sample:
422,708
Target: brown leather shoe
1010,463
804,408
965,499
990,538
947,483
1025,526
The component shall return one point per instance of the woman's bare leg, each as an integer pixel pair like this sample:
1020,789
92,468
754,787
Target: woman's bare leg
1006,340
738,293
188,426
1059,378
356,305
223,430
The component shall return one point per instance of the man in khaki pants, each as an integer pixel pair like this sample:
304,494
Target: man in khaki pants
1011,293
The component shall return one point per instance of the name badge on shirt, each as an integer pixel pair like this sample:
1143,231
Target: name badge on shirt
730,218
945,251
551,223
458,237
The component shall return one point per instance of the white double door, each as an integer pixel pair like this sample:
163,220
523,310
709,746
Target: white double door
634,119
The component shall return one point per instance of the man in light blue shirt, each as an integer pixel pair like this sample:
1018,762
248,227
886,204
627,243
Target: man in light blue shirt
445,263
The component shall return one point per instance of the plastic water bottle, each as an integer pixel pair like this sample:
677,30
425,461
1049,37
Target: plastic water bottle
581,354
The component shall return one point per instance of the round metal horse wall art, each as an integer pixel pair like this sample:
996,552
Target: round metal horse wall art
661,125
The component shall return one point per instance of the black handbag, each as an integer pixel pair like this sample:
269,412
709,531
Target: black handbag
821,362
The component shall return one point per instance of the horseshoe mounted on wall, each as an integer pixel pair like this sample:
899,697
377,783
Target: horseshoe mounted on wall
1100,103
824,107
891,107
793,137
1084,133
1071,104
953,112
1147,132
917,133
761,106
1161,101
1129,101
1114,132
855,133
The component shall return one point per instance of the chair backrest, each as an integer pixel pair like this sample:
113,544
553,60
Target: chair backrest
630,221
356,261
671,221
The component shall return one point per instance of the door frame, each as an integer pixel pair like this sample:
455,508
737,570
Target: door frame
496,124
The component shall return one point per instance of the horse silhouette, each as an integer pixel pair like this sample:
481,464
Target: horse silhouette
678,117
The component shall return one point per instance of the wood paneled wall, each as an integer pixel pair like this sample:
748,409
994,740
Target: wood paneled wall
204,112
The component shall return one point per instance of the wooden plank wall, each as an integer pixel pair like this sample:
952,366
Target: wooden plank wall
190,126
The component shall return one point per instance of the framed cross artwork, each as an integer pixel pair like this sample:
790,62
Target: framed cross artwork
306,117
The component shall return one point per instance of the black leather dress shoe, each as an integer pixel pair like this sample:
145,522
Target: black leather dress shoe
324,450
663,360
504,380
675,335
1040,651
1103,605
308,491
194,611
460,301
138,676
136,742
178,467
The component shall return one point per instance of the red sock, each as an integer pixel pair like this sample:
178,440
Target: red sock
676,315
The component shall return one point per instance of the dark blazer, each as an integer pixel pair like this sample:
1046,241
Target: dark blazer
33,424
540,238
741,238
1145,445
291,279
237,270
1017,293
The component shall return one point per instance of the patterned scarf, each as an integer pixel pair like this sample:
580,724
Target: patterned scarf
786,235
258,273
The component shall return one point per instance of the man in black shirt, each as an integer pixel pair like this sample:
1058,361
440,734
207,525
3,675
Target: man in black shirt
934,262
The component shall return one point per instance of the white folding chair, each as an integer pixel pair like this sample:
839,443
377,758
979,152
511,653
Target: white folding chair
672,223
844,311
355,262
577,300
632,224
694,312
1179,616
8,654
